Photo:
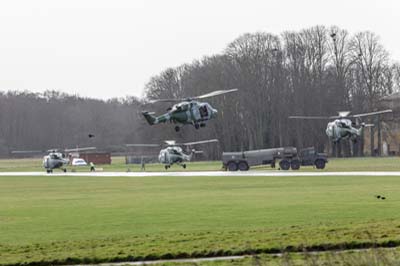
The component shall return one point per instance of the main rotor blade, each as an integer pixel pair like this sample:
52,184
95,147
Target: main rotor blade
80,149
214,93
310,117
369,125
342,114
21,152
165,100
170,142
142,145
211,94
199,142
373,113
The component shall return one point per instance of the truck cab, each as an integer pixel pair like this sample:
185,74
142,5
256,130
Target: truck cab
309,156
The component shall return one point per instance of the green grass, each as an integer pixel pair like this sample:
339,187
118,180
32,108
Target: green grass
366,257
114,218
118,165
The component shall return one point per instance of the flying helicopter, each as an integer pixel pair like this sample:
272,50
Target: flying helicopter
343,127
173,152
187,111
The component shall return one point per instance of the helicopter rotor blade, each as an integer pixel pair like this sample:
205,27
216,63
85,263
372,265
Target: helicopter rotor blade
198,142
170,142
142,145
80,149
373,113
369,125
309,117
211,94
214,93
164,100
343,114
22,152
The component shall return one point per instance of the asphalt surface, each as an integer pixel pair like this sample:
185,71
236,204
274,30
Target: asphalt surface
205,173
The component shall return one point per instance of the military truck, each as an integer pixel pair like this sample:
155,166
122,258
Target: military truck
288,158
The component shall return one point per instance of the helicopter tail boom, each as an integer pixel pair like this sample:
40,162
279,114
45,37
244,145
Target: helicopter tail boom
151,119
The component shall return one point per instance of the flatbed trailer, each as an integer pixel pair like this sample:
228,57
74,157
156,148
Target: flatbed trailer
287,157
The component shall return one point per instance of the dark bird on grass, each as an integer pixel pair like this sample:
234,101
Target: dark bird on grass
380,197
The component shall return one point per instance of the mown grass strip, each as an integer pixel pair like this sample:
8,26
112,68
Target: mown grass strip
345,246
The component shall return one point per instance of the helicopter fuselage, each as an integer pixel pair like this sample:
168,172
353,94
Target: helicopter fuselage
342,129
54,160
187,112
173,155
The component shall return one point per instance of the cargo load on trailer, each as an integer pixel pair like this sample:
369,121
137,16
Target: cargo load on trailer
287,157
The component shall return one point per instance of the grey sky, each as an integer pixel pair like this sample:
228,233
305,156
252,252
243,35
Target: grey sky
107,49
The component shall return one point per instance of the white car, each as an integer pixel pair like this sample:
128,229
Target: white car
78,162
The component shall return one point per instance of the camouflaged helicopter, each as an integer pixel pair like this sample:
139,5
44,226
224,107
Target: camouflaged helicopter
343,127
173,153
188,111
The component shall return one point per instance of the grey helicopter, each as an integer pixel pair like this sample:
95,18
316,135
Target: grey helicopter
54,158
57,159
173,152
188,111
343,127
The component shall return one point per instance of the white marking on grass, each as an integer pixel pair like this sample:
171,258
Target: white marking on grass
152,262
206,173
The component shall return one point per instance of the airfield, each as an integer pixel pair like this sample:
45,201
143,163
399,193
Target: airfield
118,216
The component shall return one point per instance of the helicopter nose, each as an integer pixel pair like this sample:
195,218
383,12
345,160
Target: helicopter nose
214,113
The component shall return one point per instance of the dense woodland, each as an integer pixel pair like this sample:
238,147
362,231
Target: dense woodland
317,71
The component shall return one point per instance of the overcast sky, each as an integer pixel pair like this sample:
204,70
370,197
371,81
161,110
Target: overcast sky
111,48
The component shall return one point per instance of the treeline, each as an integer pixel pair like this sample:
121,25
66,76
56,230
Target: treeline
41,121
317,71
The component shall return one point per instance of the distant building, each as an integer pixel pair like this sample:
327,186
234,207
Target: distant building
96,157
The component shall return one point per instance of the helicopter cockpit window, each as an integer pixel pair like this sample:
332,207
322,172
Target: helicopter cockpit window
175,151
180,107
54,156
203,111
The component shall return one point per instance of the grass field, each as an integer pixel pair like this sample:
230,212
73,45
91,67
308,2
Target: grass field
366,257
118,165
62,219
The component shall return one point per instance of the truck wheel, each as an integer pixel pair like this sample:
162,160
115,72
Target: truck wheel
295,164
320,164
243,166
232,166
284,165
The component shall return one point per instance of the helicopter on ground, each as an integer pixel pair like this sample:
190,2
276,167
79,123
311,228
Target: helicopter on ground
187,111
343,127
58,160
54,158
173,152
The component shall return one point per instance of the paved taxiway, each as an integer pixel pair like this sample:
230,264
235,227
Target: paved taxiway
205,173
